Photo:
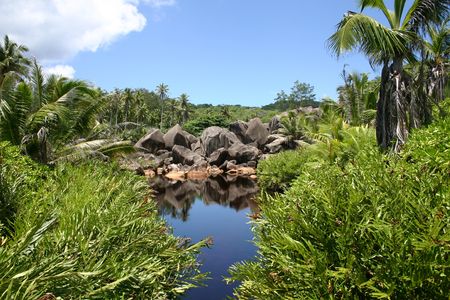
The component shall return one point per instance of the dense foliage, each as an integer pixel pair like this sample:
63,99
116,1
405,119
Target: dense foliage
302,94
405,34
374,227
86,232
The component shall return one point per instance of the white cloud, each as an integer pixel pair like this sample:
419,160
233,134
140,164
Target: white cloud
56,30
159,3
60,70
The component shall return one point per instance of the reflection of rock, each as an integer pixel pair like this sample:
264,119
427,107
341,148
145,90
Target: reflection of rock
174,197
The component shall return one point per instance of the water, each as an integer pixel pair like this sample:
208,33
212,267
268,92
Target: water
218,208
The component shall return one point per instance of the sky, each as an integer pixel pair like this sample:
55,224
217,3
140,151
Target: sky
216,51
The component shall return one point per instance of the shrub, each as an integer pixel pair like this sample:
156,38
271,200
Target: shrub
376,227
18,174
279,171
90,232
276,173
197,125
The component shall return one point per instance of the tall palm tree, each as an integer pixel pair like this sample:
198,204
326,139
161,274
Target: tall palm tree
437,53
12,59
128,99
389,46
184,107
162,90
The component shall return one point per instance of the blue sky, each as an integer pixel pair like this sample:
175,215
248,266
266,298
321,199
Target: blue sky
216,51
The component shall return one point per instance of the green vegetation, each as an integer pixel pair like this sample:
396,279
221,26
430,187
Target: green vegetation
404,98
302,94
350,220
86,232
376,226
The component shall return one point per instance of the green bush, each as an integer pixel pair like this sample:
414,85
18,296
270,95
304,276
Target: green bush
90,232
18,174
197,125
377,227
276,173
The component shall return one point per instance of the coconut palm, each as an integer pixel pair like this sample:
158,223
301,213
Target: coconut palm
12,59
389,46
128,99
184,107
358,97
162,90
437,52
44,112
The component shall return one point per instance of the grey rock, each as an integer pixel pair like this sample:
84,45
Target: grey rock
257,132
243,153
191,138
239,128
277,145
252,164
152,141
214,138
197,147
218,157
274,137
275,124
185,156
176,136
163,151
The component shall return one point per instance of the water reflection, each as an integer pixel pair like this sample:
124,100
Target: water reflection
175,198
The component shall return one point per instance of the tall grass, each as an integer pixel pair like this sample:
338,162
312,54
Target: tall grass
376,227
91,232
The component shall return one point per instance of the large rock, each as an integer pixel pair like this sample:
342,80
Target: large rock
275,124
152,142
239,128
185,156
176,136
214,138
243,153
257,132
218,157
197,147
277,145
191,138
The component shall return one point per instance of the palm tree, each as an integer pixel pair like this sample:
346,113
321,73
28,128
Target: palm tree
128,99
358,97
173,106
437,52
184,107
46,112
12,59
389,46
161,91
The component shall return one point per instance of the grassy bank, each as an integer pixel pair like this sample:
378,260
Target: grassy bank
371,226
85,232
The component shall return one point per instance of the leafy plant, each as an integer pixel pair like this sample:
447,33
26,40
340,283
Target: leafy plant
90,232
376,227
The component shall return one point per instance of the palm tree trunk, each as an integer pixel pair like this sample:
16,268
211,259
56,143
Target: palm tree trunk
383,128
161,123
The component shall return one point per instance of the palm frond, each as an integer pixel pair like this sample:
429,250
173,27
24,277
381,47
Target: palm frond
380,5
423,12
358,31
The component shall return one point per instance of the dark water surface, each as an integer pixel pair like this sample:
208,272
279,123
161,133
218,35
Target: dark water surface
218,208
